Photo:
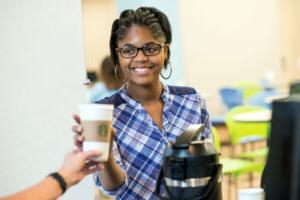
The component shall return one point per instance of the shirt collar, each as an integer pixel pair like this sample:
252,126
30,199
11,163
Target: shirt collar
165,96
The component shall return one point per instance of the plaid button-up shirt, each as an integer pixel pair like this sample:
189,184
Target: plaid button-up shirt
139,144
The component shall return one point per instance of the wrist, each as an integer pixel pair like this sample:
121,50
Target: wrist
60,180
110,161
66,176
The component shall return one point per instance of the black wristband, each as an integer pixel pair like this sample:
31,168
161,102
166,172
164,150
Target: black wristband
61,181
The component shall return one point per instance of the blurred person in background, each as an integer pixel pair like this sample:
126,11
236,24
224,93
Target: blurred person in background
111,81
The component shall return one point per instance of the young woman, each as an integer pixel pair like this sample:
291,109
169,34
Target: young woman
148,114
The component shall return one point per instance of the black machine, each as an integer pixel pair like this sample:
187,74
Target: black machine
191,169
281,178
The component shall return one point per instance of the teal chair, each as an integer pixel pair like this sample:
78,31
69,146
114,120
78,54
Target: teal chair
231,97
242,133
234,167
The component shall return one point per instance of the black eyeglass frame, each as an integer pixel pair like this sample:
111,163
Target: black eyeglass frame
162,45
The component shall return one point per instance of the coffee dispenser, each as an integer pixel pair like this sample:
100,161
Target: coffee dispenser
191,169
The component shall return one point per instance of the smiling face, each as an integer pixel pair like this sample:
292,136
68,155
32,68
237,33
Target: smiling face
141,70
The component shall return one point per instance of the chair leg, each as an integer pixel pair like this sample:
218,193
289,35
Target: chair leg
229,186
232,150
244,147
236,187
252,146
251,179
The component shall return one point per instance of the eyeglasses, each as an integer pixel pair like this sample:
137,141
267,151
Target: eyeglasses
150,49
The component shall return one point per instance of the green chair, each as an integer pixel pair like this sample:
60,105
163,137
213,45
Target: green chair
258,154
242,133
248,89
233,167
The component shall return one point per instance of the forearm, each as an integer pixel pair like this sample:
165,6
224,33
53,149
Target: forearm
48,189
111,176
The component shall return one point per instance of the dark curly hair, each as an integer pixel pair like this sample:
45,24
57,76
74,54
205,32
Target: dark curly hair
153,19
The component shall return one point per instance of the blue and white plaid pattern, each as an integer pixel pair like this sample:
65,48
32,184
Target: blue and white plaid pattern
139,143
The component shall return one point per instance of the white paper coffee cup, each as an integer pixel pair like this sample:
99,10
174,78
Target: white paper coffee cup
96,120
251,194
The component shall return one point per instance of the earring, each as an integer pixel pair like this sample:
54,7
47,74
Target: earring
122,78
116,75
166,78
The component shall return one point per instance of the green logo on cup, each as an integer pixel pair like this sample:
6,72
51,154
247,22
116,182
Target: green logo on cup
102,130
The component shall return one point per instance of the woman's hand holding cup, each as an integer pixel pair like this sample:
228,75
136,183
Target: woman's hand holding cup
78,129
93,130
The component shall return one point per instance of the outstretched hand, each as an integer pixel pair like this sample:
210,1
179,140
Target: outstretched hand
77,165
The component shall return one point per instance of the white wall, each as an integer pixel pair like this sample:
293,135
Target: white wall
42,70
225,42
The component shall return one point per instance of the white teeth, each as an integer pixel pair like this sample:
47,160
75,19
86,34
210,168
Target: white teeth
140,69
